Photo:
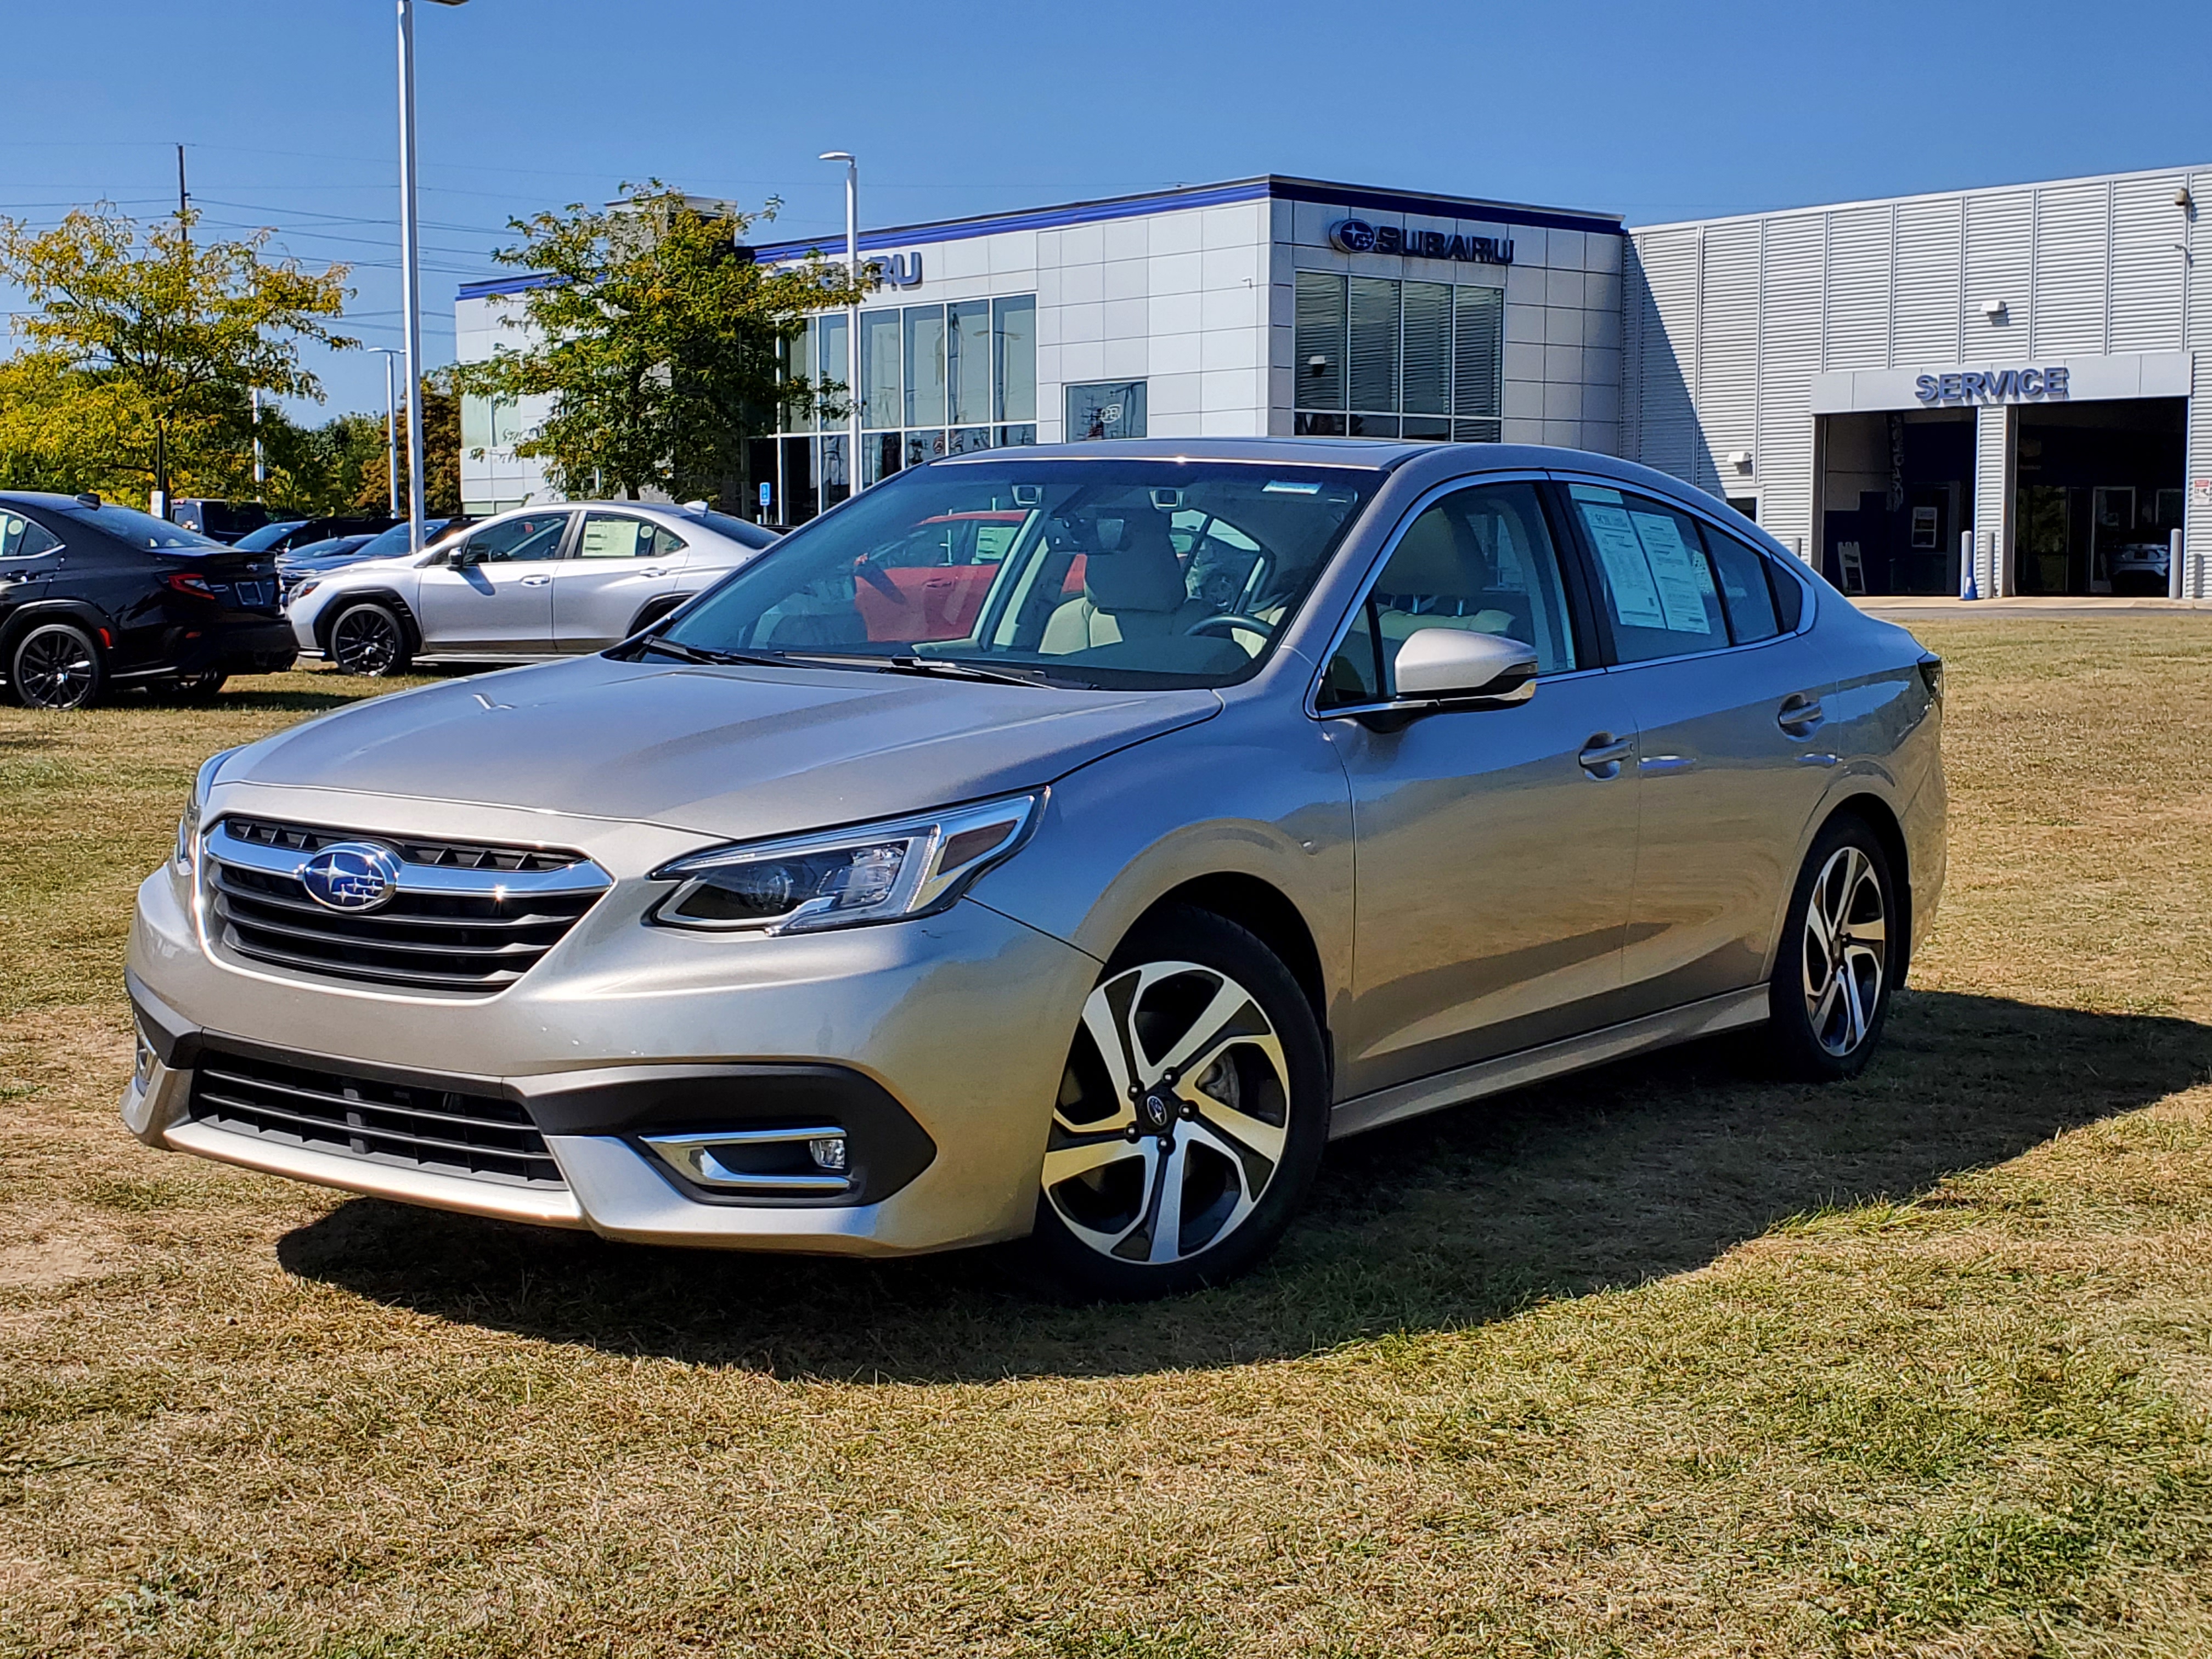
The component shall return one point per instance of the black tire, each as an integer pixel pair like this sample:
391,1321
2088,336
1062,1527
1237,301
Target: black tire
55,664
1829,998
369,639
1240,1156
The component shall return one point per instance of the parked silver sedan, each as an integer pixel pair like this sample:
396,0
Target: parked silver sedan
542,581
1058,844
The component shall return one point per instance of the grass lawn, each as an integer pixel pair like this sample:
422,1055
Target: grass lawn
1662,1359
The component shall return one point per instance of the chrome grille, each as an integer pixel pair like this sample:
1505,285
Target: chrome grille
424,1127
464,918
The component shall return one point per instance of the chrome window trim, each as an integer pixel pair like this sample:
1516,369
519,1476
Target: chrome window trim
581,877
1421,504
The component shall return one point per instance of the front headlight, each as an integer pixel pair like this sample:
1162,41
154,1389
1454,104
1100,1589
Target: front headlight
844,877
303,588
188,826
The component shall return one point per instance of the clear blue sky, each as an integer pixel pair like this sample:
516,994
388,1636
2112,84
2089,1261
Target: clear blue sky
1658,112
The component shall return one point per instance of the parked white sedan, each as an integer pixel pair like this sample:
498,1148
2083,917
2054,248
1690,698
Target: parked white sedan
541,581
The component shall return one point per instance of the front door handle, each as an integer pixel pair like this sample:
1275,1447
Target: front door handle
1602,755
533,581
652,573
1800,716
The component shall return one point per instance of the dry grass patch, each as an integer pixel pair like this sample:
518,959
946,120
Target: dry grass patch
1668,1359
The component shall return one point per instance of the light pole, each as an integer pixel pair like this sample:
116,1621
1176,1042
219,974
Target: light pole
410,299
851,318
391,424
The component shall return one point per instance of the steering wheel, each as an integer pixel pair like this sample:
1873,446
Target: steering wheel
1232,619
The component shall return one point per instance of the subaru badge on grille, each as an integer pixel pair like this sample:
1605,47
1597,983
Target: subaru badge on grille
353,875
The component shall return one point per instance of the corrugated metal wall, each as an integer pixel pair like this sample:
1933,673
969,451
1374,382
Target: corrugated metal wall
1727,321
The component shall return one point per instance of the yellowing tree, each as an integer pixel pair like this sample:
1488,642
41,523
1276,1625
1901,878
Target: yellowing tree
145,347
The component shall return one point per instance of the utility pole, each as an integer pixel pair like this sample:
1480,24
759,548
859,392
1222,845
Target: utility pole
184,196
392,425
410,298
260,469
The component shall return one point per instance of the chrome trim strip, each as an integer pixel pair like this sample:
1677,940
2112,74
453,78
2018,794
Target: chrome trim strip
546,1209
692,1155
1489,1077
581,877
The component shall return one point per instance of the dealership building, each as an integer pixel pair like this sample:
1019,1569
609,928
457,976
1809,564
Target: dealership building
2002,385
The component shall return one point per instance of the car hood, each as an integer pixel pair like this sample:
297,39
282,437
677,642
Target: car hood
731,752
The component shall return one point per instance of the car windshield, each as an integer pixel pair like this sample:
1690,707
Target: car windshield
128,525
261,540
1093,573
391,544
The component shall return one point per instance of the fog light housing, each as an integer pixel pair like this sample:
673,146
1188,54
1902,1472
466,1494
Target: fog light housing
828,1151
798,1163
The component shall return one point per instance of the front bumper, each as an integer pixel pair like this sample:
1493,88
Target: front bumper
955,1024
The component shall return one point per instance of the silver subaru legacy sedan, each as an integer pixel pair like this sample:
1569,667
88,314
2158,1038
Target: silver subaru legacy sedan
1057,844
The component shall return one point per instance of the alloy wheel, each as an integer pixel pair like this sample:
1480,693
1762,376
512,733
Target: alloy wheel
1846,950
365,641
1172,1115
55,668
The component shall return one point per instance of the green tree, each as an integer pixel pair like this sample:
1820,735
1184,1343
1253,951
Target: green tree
145,347
658,340
342,465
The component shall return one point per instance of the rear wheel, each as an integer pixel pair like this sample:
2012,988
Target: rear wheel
1829,996
368,639
54,665
1190,1118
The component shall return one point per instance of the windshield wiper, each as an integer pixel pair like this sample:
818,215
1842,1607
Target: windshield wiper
966,671
713,659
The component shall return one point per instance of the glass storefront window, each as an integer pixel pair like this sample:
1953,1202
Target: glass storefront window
834,368
1106,408
880,403
968,360
1375,357
925,366
1013,330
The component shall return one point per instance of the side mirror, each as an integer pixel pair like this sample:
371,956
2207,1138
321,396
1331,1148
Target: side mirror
1458,666
463,556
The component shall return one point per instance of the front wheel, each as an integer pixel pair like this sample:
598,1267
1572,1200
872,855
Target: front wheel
55,664
368,639
1190,1118
1829,996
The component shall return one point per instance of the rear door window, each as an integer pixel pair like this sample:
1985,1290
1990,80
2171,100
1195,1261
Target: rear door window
1657,585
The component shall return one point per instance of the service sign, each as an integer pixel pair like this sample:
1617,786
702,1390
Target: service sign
1994,386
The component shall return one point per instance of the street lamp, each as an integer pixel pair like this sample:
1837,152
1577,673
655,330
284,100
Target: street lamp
391,424
410,299
851,318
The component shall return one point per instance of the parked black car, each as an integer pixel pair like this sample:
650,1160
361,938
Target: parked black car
94,595
284,534
224,522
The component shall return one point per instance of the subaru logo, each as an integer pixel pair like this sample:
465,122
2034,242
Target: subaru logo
1353,235
353,875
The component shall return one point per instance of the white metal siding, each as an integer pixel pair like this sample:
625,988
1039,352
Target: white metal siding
1727,384
2073,261
1997,265
1789,354
2197,304
1858,288
1928,301
2147,273
1667,330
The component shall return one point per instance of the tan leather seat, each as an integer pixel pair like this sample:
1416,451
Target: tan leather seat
1132,591
1433,581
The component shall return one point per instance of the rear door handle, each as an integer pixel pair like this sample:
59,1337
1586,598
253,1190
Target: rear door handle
1800,715
533,581
652,573
1602,755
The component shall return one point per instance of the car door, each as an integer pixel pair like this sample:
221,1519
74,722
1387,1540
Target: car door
621,562
1727,707
494,592
1495,846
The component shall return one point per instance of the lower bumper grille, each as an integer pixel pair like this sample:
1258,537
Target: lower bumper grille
440,1130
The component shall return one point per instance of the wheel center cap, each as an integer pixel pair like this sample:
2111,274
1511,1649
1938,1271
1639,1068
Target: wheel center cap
1158,1109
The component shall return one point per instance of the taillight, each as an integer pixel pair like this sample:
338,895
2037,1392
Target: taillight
190,582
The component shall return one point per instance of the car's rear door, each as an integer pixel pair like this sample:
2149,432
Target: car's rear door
1727,706
621,562
1495,846
495,593
30,555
